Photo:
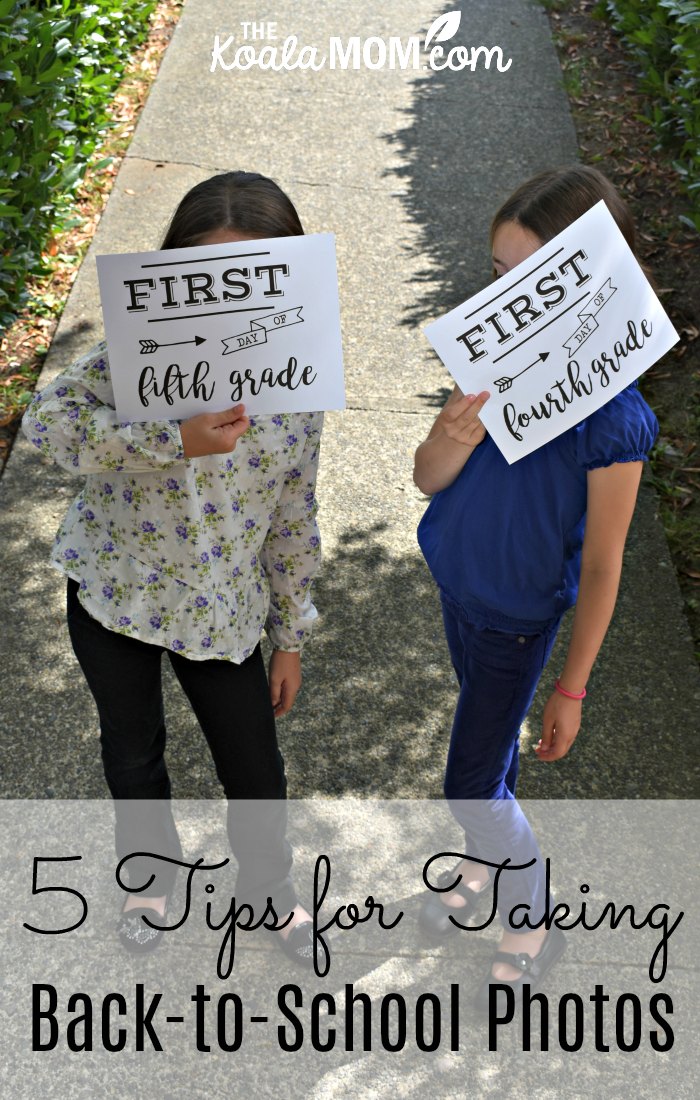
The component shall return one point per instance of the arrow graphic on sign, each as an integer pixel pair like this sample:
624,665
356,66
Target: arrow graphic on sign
505,383
149,346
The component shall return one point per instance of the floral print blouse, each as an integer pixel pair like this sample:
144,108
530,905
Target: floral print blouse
197,555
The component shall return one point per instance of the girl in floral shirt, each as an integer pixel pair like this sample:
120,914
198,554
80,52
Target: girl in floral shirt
191,538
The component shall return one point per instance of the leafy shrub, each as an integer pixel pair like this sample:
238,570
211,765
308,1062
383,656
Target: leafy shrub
664,36
60,63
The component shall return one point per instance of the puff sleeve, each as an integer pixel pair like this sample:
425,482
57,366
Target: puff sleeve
623,430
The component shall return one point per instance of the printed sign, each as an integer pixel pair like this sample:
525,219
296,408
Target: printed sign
557,337
193,330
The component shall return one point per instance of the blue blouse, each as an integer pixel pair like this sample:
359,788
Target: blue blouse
505,541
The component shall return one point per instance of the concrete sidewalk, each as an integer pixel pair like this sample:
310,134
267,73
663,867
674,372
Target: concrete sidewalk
406,169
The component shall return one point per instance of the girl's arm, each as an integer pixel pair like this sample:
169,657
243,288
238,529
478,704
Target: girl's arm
612,493
291,556
452,438
74,423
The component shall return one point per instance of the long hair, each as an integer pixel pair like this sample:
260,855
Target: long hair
239,201
550,201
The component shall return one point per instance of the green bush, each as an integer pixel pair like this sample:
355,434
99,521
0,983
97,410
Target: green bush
664,36
60,63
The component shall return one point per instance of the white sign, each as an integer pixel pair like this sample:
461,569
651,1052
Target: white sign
193,330
557,337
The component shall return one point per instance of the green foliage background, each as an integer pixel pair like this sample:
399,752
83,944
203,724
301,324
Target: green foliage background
664,36
60,64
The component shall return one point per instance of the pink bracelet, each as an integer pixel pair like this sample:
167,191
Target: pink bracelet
569,694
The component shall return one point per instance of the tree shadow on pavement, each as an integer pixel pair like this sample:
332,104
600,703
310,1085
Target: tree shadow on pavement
466,145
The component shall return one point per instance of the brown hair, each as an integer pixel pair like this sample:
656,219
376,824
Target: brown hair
550,201
243,201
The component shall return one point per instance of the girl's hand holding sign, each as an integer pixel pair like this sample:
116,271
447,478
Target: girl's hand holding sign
213,433
453,437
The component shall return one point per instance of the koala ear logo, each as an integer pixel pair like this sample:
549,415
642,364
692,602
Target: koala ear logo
445,26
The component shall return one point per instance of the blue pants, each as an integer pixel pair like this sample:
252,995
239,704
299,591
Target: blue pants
498,675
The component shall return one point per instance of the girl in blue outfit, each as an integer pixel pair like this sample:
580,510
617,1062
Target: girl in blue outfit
511,549
190,538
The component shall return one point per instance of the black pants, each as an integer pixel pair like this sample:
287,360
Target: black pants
232,705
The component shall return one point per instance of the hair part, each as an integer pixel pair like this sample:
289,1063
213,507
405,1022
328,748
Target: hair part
243,202
552,200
